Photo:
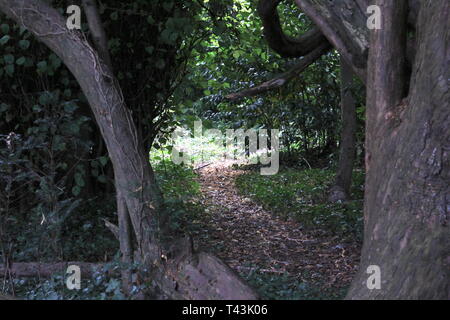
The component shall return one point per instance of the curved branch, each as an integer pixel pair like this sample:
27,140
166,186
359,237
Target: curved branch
98,33
286,46
283,78
343,23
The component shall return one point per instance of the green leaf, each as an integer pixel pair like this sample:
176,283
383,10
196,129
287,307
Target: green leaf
9,69
160,64
24,44
70,107
21,61
4,39
4,28
37,108
103,161
42,66
8,58
4,107
44,99
76,191
167,5
79,180
114,16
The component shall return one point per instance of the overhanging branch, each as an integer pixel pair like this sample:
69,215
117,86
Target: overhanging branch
283,78
286,46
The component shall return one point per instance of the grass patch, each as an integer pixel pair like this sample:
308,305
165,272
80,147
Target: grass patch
285,287
302,195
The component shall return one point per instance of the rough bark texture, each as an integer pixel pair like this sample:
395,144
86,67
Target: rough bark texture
133,174
98,33
126,243
344,24
100,40
408,159
340,191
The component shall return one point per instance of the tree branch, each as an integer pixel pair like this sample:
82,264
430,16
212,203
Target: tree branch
98,33
286,46
284,78
343,23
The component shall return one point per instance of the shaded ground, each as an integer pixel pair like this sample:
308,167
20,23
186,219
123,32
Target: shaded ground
249,238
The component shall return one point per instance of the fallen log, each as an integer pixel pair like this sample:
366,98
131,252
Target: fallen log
47,270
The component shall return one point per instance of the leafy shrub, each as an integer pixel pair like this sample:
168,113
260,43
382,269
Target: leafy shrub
181,191
284,287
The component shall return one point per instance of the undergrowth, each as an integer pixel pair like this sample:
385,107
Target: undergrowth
302,195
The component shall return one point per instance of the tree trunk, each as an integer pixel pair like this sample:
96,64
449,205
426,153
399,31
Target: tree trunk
340,191
407,139
407,159
126,243
181,275
100,40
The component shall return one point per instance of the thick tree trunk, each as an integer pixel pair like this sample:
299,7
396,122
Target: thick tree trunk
340,191
185,275
408,159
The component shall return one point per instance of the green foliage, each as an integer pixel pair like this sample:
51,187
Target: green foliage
175,61
274,286
181,191
100,286
303,195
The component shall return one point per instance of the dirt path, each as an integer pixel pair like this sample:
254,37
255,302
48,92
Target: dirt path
247,237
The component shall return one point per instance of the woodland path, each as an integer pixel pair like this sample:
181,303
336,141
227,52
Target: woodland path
247,237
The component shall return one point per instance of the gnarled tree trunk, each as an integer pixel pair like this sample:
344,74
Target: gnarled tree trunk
408,158
407,207
178,273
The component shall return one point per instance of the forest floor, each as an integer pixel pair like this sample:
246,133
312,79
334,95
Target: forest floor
253,240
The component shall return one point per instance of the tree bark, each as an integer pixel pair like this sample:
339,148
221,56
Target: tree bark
188,275
407,140
126,243
125,237
340,191
344,24
407,159
98,33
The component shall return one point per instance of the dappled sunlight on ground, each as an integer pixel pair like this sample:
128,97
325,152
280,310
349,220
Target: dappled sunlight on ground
250,238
